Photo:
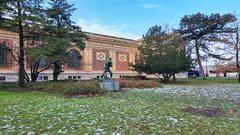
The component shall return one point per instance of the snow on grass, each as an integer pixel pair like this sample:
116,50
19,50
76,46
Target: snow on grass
220,91
148,111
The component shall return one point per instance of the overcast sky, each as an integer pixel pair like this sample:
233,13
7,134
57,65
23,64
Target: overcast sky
132,18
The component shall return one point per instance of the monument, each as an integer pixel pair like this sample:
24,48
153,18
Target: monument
106,70
106,81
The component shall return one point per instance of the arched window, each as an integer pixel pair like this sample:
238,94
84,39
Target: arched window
3,55
74,58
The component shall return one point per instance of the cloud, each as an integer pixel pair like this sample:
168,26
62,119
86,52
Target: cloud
151,5
96,26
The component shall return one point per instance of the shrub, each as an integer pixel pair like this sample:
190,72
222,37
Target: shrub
83,87
138,83
137,77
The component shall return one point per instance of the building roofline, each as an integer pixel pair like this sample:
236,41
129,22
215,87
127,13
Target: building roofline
97,34
104,35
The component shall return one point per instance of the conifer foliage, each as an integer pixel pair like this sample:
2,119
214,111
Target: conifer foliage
202,31
18,16
162,54
62,33
45,32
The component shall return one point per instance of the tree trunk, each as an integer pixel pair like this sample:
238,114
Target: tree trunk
57,69
34,73
238,75
159,77
237,57
26,77
21,72
34,76
174,78
166,77
199,60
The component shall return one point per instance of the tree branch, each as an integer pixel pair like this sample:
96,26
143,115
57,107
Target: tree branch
16,58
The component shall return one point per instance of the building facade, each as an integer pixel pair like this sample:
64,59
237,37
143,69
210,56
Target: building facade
83,64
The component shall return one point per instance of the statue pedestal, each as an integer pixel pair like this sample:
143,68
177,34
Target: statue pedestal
109,85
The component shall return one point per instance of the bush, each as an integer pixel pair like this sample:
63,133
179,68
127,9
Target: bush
137,77
138,84
7,85
84,87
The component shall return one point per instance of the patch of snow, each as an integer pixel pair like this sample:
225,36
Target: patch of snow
31,133
220,91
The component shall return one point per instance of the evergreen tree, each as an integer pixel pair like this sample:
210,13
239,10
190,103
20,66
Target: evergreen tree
162,54
202,31
62,33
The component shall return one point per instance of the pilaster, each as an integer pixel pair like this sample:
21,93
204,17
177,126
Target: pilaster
112,54
88,59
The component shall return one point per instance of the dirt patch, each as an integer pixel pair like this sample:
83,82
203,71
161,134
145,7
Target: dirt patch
208,111
232,110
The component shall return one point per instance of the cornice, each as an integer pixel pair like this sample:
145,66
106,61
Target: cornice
106,39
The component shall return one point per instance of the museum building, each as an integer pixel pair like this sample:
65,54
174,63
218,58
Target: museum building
85,64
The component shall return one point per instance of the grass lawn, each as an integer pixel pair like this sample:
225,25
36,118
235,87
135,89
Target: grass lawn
131,112
210,80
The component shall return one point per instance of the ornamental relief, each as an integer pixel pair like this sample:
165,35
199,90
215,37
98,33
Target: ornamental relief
122,57
101,56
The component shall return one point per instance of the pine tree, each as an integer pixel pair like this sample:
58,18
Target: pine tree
202,31
162,54
62,33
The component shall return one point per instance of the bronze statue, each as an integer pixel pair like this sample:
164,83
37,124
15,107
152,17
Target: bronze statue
107,66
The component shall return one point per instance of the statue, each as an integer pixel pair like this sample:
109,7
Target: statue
107,66
106,82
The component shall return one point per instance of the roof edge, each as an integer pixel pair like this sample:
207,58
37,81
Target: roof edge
97,34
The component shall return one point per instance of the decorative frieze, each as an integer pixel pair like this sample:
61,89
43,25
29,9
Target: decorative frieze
101,56
122,57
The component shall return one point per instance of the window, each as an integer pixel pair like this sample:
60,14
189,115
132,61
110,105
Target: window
2,78
74,58
45,78
3,55
41,78
74,77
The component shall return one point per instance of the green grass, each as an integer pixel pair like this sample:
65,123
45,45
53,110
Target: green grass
200,81
126,112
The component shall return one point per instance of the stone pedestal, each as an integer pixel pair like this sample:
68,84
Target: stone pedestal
109,85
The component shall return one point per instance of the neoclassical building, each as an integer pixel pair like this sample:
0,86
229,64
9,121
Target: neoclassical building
83,64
